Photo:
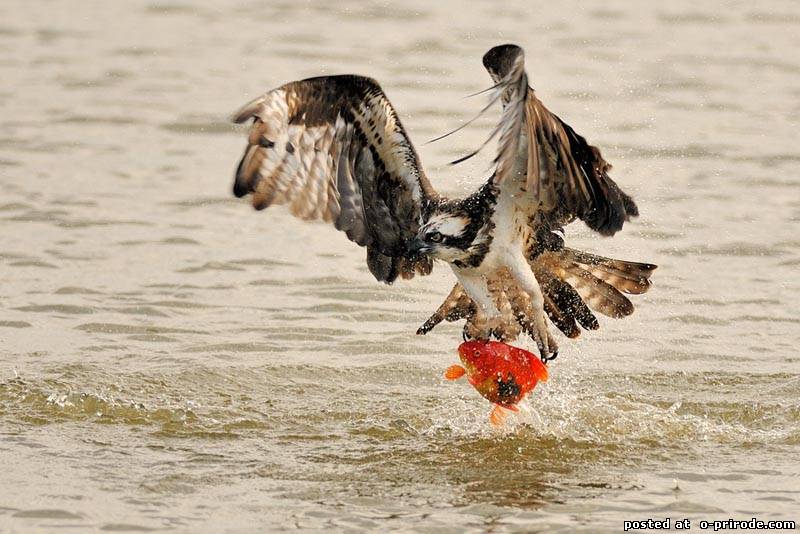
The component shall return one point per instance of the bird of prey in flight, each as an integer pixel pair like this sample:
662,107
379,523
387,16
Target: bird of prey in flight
333,148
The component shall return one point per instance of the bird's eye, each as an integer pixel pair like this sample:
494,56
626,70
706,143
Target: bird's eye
434,237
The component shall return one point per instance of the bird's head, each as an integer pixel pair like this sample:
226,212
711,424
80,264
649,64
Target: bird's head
458,231
449,235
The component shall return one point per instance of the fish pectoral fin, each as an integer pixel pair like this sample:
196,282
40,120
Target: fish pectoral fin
498,416
512,408
454,372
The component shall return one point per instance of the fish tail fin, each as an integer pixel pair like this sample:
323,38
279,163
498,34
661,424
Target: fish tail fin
497,416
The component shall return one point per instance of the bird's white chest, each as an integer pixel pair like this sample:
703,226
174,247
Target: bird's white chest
511,229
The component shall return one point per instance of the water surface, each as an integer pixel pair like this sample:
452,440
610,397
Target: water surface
170,359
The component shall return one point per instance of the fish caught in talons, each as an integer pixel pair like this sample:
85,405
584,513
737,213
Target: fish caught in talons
502,374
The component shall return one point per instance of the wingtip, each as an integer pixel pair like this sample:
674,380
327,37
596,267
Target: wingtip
247,111
500,59
239,189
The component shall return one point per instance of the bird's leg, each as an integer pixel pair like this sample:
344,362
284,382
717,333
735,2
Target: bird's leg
521,271
523,311
507,328
450,307
486,313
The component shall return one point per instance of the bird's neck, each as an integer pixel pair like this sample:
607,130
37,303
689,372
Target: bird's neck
479,207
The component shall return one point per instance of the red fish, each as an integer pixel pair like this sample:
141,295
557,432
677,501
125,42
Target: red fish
501,373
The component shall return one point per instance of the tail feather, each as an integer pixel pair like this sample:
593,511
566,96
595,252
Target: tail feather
598,294
573,283
627,276
563,322
568,304
595,281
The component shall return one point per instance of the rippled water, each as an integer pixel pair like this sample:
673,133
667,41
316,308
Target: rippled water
172,359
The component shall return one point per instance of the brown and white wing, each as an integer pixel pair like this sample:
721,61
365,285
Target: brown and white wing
567,175
333,148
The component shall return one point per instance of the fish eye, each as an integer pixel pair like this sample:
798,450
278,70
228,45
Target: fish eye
435,237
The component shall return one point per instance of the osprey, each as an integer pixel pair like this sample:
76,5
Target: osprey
333,148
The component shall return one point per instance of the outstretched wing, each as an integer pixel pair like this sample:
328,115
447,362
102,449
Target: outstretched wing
567,175
332,148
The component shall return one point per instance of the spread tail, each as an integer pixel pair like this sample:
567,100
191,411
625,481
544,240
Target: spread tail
575,284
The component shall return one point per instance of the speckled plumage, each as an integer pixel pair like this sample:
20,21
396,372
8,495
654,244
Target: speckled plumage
333,148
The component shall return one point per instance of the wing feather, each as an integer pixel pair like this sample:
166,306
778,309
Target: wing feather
565,175
333,148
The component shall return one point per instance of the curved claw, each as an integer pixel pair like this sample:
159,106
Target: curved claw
546,359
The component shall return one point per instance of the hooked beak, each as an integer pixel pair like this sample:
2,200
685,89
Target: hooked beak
418,248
